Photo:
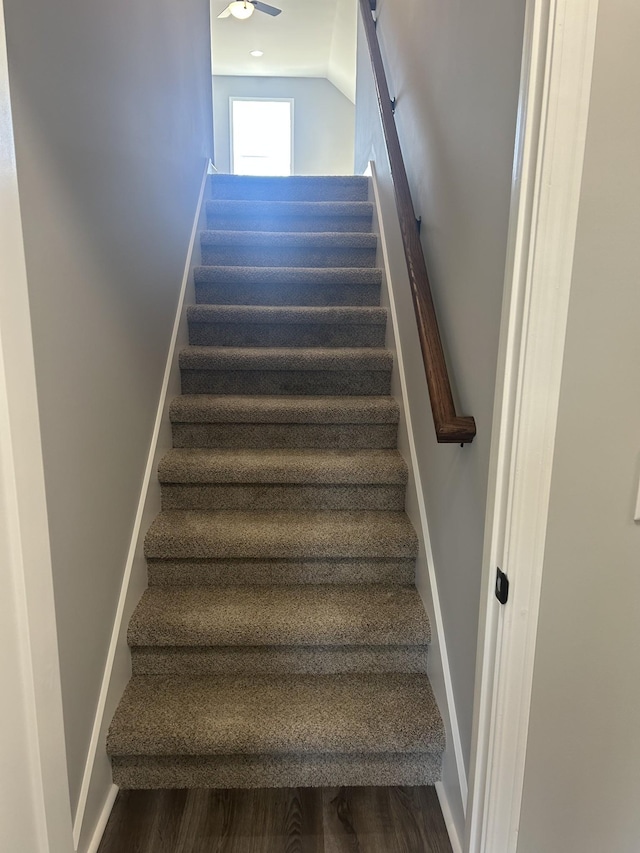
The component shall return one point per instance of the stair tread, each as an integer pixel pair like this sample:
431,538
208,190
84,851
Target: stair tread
285,358
277,714
220,534
263,207
298,187
212,408
304,239
295,314
201,465
319,615
223,274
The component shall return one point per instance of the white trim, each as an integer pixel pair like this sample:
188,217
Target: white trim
554,104
447,814
139,530
101,825
33,746
436,614
35,790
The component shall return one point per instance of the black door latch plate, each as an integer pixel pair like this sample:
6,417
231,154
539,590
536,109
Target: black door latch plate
502,587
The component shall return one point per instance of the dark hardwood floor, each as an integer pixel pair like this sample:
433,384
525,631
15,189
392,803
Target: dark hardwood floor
277,820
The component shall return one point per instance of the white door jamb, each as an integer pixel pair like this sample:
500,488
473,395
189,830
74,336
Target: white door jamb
557,64
35,809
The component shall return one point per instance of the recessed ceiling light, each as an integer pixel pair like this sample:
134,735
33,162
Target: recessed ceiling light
257,53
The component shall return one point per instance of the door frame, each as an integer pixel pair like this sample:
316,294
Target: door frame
557,64
35,788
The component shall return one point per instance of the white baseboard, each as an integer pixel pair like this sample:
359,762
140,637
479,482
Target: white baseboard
454,786
97,792
447,814
101,825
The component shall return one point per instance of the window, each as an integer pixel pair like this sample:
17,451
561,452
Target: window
261,136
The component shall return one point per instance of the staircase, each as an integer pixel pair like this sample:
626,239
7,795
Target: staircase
281,641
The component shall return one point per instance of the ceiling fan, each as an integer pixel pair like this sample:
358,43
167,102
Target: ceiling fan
244,9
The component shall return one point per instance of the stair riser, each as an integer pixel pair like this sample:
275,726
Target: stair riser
286,256
275,771
301,382
290,224
315,660
286,335
300,539
264,436
283,496
293,189
287,294
267,572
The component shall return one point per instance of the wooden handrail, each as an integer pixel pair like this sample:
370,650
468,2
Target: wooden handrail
450,427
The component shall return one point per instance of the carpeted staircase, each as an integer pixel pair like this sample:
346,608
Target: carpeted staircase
281,641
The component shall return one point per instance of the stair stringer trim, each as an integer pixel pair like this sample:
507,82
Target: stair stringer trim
97,793
453,788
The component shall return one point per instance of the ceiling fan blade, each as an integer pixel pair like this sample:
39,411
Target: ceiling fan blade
264,7
225,13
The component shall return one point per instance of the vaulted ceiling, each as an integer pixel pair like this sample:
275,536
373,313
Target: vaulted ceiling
311,38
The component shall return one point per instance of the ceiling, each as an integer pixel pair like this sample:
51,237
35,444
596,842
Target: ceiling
311,38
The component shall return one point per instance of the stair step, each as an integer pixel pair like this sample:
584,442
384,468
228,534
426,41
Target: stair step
220,535
328,467
291,326
286,358
247,285
294,660
209,408
282,479
282,496
220,572
280,616
343,423
276,730
295,370
295,188
289,215
275,771
288,249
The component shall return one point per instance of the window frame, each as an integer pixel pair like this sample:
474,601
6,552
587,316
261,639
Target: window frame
290,101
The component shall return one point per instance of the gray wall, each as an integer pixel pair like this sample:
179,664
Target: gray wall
454,69
112,109
582,779
324,119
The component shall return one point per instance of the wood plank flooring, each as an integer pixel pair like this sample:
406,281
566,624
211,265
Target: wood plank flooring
277,820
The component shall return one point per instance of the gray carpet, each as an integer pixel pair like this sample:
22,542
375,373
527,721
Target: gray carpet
196,478
289,216
281,641
261,285
290,326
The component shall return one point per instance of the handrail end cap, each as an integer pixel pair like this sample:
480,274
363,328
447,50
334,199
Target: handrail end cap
458,430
